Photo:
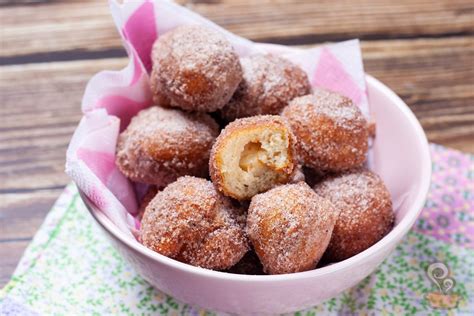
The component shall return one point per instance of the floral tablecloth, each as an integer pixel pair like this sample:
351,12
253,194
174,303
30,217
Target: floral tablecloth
71,269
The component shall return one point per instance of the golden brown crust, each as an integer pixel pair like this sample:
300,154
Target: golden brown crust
269,83
239,128
191,222
290,227
160,145
366,213
194,68
331,132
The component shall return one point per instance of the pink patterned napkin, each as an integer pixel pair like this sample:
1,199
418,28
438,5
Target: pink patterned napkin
112,98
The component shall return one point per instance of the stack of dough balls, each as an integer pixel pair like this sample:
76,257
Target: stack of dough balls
234,197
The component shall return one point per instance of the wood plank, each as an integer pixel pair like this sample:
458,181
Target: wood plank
10,254
64,30
57,26
435,78
21,214
33,142
38,118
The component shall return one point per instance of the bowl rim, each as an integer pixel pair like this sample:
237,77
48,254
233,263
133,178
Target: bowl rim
398,231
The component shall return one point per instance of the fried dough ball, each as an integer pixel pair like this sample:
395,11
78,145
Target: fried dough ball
191,222
269,83
331,131
365,216
194,68
161,145
252,155
290,227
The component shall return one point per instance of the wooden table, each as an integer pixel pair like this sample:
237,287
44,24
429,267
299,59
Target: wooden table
424,50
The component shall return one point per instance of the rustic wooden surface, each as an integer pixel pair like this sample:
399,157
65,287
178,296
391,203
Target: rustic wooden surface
424,50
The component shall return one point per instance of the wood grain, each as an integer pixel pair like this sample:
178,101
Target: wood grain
40,110
10,253
38,118
33,143
435,78
57,30
22,213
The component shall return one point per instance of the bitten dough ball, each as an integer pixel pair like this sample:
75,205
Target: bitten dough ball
365,216
191,222
290,227
194,68
161,145
269,83
332,133
252,155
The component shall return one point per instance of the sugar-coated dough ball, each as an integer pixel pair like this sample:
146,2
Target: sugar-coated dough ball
160,145
332,133
252,155
191,222
195,68
290,227
365,212
269,83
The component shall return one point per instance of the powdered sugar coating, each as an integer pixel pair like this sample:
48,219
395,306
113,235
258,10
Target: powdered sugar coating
159,145
290,227
365,216
331,131
269,83
194,68
189,221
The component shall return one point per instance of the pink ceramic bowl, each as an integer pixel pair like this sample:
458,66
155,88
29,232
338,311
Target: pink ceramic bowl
400,156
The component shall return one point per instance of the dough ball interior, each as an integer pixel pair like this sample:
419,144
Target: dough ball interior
253,161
